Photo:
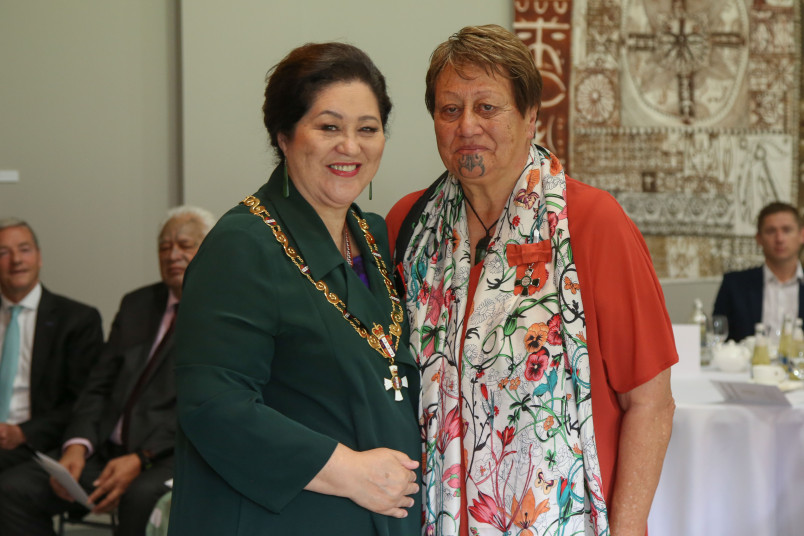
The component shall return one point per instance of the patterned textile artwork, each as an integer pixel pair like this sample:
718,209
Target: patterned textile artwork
687,111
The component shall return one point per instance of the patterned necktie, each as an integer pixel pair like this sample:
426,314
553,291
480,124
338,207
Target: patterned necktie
9,359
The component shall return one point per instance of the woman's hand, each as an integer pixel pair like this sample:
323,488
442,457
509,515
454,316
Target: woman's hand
383,479
379,480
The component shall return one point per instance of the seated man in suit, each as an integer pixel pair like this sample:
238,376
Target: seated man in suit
119,442
772,291
47,346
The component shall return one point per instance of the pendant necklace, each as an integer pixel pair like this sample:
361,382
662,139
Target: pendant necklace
482,247
385,345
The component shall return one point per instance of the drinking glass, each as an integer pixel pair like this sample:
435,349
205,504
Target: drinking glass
717,329
797,364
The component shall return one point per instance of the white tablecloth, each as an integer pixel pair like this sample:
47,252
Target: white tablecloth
731,469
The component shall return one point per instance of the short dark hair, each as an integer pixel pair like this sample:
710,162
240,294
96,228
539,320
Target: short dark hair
7,223
495,50
295,82
774,208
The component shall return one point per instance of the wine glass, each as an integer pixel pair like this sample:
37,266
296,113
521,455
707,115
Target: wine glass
717,329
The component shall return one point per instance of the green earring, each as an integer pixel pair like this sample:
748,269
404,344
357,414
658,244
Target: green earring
285,185
371,183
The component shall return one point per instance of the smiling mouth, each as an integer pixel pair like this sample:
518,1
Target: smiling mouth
346,168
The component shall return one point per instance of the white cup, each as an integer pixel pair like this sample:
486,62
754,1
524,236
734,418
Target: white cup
769,374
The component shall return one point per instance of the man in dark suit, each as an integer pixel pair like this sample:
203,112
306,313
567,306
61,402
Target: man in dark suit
772,291
56,342
119,442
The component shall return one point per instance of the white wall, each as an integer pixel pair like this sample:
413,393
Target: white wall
89,117
228,47
680,294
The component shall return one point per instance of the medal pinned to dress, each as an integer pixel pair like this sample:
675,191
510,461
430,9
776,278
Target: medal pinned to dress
395,382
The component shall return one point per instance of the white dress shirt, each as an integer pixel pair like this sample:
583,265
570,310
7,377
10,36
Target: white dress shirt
20,410
779,300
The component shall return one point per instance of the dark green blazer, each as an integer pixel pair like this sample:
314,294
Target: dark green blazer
270,378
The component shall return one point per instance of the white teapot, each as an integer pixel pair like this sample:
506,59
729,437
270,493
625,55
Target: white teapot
731,357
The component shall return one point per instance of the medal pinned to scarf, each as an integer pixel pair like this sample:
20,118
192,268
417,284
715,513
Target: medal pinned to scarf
518,406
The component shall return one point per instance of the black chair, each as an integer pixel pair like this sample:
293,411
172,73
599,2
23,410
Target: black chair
75,515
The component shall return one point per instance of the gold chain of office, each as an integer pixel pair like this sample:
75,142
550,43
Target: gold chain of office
376,338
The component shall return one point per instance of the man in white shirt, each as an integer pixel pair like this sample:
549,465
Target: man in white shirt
772,291
45,352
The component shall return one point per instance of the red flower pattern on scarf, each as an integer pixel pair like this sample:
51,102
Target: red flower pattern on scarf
554,331
435,301
536,365
485,510
450,429
424,292
552,221
506,436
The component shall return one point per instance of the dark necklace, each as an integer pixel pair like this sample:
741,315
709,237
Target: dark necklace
482,247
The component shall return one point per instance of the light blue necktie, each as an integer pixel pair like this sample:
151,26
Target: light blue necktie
9,359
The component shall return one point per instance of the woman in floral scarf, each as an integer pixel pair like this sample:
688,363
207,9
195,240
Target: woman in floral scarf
536,319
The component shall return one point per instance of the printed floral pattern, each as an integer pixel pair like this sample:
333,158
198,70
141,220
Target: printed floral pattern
511,413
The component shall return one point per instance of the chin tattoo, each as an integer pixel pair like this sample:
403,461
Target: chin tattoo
472,164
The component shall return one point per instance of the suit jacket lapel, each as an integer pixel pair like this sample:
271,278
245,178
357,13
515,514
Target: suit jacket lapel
755,293
374,304
303,227
46,324
153,319
158,359
801,299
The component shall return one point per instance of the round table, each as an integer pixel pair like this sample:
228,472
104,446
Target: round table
731,469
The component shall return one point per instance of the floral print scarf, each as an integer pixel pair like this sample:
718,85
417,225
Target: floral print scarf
521,409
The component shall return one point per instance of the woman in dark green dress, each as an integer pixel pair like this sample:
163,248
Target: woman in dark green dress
297,395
